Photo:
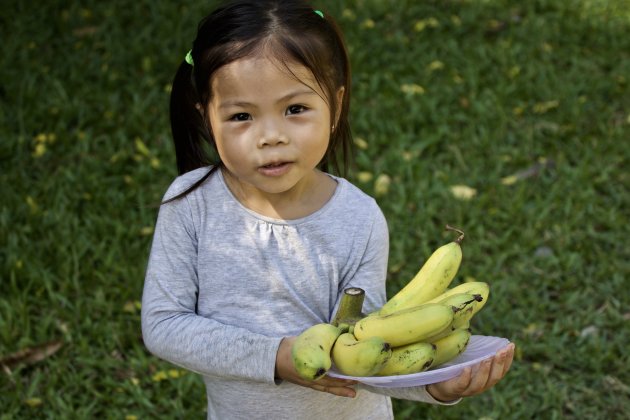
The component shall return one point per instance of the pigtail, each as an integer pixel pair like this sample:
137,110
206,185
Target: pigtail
187,123
189,128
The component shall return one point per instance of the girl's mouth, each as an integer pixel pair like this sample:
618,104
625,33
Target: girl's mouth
275,169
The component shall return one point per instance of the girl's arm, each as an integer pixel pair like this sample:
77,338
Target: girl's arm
171,328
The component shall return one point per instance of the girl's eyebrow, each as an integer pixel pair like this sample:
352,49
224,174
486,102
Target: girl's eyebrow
285,98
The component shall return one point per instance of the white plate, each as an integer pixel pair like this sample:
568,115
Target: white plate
479,347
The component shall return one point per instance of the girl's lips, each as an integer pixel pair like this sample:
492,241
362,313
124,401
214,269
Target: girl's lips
275,169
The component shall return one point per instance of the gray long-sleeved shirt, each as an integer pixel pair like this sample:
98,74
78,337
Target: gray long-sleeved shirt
224,285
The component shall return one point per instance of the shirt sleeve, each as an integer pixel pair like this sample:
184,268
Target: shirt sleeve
171,327
416,393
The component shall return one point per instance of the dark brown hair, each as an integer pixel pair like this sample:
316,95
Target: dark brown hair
293,32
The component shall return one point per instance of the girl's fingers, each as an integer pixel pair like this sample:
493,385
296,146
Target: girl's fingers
477,379
501,363
330,381
335,386
342,391
496,371
464,380
481,373
509,358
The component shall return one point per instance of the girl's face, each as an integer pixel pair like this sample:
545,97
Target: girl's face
271,126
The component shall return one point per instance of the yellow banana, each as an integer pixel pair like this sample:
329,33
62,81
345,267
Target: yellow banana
472,287
434,277
463,305
451,346
475,288
412,358
360,358
461,325
311,350
406,326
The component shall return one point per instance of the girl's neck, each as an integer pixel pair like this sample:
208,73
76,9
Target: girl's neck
294,204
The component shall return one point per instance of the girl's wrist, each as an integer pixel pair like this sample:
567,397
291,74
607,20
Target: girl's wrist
283,356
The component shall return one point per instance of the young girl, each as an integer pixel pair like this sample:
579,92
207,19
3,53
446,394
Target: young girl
255,240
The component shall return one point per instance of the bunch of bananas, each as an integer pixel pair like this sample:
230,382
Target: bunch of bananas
423,326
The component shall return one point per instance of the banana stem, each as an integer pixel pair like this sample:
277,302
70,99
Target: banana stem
350,307
461,233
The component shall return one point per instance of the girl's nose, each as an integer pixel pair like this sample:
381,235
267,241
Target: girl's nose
272,135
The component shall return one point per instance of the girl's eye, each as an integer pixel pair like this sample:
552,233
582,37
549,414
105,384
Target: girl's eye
295,109
241,116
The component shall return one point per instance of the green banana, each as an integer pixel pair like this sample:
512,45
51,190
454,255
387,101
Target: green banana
463,305
406,326
451,346
412,358
311,350
434,277
360,358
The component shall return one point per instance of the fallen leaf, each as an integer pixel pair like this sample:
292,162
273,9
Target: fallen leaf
361,143
84,31
141,147
591,330
533,330
33,402
365,176
381,184
412,89
31,355
463,192
435,65
615,384
159,376
176,373
543,107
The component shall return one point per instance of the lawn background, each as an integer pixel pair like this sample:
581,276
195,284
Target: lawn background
525,106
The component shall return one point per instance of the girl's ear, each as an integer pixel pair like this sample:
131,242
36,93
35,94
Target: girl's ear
339,101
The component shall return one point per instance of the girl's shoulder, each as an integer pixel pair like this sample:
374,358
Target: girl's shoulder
185,181
355,199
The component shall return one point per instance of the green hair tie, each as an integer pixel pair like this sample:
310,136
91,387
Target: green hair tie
320,13
189,58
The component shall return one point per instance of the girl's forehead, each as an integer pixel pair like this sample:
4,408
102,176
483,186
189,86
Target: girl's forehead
262,69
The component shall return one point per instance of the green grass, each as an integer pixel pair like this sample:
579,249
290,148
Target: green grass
499,86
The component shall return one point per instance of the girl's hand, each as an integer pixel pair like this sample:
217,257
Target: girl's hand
286,371
474,379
